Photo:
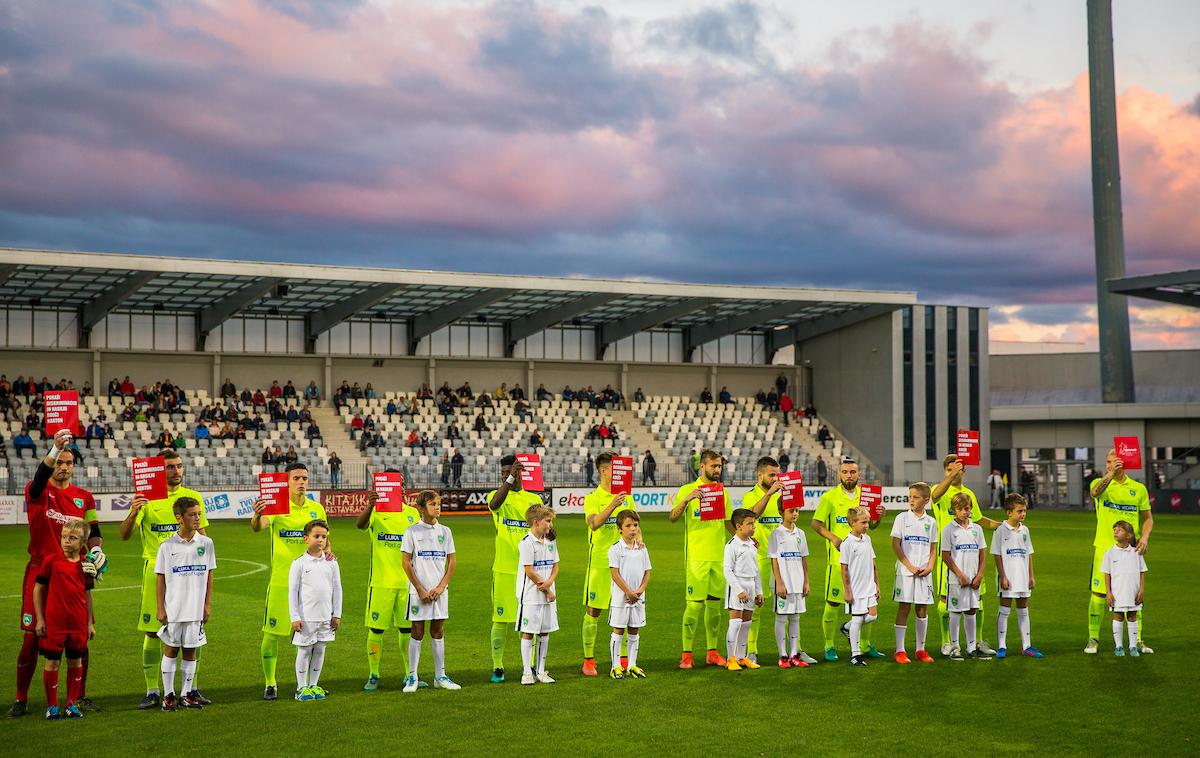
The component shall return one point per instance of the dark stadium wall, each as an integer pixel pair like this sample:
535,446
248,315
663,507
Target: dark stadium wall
75,365
190,370
395,373
260,370
1159,375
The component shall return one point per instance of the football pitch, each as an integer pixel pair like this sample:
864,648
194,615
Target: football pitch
1067,703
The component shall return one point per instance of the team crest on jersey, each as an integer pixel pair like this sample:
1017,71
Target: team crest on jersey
312,514
954,601
27,619
415,609
499,611
689,589
200,550
836,591
374,615
1095,582
591,594
79,500
411,521
441,539
145,618
271,622
1131,492
896,594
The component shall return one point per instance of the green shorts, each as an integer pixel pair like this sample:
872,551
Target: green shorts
504,598
768,579
277,617
148,618
598,589
834,591
385,608
941,576
705,579
1098,585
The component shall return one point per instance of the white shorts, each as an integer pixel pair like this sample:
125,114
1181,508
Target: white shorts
861,605
916,590
1125,608
731,597
185,634
538,619
960,599
792,604
311,633
433,611
627,616
1015,593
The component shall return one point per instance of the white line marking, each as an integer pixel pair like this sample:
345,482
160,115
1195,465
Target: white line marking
258,567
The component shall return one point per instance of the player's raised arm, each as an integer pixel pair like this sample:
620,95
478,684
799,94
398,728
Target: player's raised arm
130,520
510,474
681,505
596,520
364,518
761,505
256,521
953,471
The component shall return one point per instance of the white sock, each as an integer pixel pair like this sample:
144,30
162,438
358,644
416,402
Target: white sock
303,656
1023,625
922,628
634,639
1132,625
781,634
168,675
1002,625
188,668
526,655
316,660
856,623
414,656
614,648
1118,634
731,639
970,630
901,632
439,657
794,633
955,621
543,646
744,639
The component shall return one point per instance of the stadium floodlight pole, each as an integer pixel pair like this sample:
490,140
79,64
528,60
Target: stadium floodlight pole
1112,310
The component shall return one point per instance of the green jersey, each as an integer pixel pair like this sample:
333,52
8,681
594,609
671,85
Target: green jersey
511,527
287,537
943,510
600,540
832,511
768,522
705,539
155,522
1121,501
387,561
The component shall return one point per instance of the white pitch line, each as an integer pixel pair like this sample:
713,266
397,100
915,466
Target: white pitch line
257,568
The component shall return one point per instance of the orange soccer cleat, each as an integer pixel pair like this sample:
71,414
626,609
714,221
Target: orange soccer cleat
714,658
589,667
902,657
924,657
685,662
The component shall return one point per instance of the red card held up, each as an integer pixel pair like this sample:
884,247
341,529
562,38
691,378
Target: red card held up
389,486
712,501
531,472
1129,451
871,497
968,447
62,411
622,475
273,487
791,490
150,477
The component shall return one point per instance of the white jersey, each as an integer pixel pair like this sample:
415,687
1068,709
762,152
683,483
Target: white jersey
428,545
790,548
184,565
314,589
964,544
1124,567
916,534
631,564
1013,547
541,554
741,565
858,556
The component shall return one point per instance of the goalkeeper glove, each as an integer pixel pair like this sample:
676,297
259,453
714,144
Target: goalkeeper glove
99,559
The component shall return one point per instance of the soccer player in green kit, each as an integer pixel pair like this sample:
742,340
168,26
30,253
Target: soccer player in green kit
830,521
704,556
387,584
287,544
508,504
1117,498
942,498
154,522
599,508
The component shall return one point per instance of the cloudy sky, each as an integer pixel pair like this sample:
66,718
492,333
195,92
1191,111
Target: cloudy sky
937,146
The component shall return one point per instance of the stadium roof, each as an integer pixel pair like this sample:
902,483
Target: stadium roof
1176,287
324,296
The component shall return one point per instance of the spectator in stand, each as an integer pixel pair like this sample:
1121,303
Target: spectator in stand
44,386
257,424
292,417
444,406
312,394
390,409
542,393
649,466
594,432
639,396
356,391
228,389
414,439
202,433
369,392
164,441
291,456
785,461
589,468
602,432
484,401
305,414
87,390
760,397
480,424
445,468
404,407
413,404
522,410
5,388
785,408
335,469
127,414
426,442
612,432
568,393
723,397
313,432
772,401
456,467
823,435
425,393
810,411
268,459
536,438
706,396
258,400
95,431
227,432
114,389
289,390
445,390
22,441
781,384
502,391
465,391
452,432
32,420
356,425
517,393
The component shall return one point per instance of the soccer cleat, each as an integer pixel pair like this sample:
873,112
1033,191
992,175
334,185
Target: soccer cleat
981,655
318,693
170,702
545,678
830,654
924,657
845,629
18,709
86,704
753,657
799,663
528,678
1119,652
714,658
589,667
410,684
1002,653
445,683
1134,652
635,672
872,652
947,648
1032,652
1144,649
372,684
956,654
748,664
785,662
1092,647
733,665
624,661
52,713
805,658
982,645
616,673
200,696
859,660
73,712
271,692
902,657
152,700
305,694
497,676
685,661
189,700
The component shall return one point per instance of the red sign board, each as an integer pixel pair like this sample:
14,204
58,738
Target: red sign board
389,486
791,490
871,497
1129,451
150,477
531,472
968,447
273,487
62,411
712,501
622,475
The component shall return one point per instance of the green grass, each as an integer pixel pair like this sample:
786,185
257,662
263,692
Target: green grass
1066,703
